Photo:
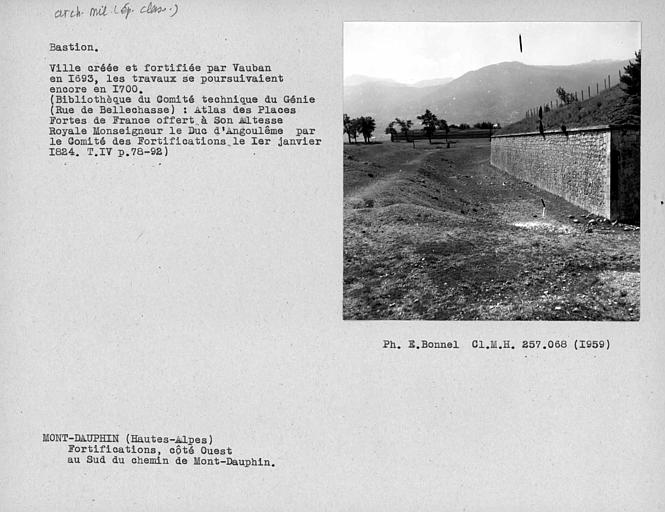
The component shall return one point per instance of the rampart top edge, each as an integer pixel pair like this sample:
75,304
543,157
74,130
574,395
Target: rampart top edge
597,128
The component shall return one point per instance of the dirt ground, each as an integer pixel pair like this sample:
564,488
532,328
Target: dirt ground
437,233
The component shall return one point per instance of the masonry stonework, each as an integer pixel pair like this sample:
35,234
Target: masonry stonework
596,168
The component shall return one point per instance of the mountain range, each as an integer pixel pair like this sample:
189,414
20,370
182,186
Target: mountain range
353,80
498,93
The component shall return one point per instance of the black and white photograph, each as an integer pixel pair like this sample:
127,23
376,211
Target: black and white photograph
492,171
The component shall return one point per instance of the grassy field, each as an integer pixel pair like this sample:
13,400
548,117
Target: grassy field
437,233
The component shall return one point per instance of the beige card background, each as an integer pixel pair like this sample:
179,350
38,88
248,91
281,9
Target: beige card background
203,296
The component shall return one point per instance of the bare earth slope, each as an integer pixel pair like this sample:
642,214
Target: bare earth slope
612,106
437,233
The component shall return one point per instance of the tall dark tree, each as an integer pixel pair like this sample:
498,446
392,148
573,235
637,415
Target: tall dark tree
355,129
348,127
367,127
632,76
429,122
404,126
351,128
390,129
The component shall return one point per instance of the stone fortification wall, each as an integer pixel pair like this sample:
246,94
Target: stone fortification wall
596,168
574,165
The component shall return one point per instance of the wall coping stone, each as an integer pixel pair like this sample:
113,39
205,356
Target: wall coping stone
598,128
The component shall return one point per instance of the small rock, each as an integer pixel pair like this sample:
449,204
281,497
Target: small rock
571,216
576,221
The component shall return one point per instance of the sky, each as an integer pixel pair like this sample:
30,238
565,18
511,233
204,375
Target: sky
413,51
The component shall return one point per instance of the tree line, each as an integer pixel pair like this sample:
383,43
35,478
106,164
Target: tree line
431,123
366,125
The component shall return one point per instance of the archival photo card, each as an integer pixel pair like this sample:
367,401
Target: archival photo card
188,234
